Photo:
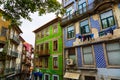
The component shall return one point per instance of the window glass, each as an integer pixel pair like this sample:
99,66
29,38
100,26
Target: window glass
107,19
46,77
115,79
55,29
70,32
40,62
42,34
90,78
84,27
46,62
47,32
55,77
4,31
113,53
69,11
71,54
87,55
82,7
55,45
106,14
55,62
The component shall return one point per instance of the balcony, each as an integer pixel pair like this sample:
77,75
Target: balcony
9,70
14,54
15,39
44,53
95,7
109,34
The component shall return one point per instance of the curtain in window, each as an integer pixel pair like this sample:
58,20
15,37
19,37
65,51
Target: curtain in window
87,55
113,53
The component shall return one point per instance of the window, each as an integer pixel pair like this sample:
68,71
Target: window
7,64
47,32
88,56
107,19
46,77
3,18
41,47
55,77
84,27
46,62
37,48
1,67
42,34
69,11
89,78
40,63
115,79
55,45
66,1
55,62
71,54
4,31
55,29
70,32
82,7
113,53
46,46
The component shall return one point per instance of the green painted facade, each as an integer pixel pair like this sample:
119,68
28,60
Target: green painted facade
51,71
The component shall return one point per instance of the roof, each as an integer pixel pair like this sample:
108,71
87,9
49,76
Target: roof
18,29
22,39
47,24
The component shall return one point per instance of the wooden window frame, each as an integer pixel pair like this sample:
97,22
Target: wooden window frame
40,63
73,33
84,26
83,8
55,62
108,25
55,76
47,75
55,28
106,55
55,45
46,62
93,56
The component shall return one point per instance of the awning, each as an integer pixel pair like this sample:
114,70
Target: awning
72,75
37,74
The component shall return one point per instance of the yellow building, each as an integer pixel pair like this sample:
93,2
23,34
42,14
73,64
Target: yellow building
9,49
3,39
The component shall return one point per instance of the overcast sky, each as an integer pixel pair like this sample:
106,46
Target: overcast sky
27,27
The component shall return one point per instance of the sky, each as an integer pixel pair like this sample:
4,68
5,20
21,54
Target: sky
28,27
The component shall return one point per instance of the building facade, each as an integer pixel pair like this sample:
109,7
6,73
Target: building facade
91,35
4,25
26,60
48,51
13,53
10,53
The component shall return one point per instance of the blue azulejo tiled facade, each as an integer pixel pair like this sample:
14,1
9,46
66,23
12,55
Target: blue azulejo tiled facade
91,36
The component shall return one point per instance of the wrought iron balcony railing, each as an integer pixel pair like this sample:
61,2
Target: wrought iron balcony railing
15,39
92,8
14,53
43,53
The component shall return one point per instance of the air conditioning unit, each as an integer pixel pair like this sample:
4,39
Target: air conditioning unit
69,62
